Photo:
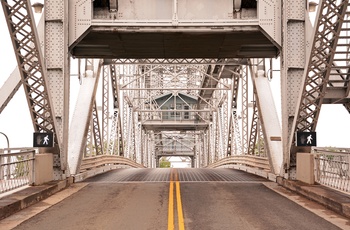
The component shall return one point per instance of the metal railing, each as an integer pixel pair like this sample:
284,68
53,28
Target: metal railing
332,167
247,160
98,161
16,168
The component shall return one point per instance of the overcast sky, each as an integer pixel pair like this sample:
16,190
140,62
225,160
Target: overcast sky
15,122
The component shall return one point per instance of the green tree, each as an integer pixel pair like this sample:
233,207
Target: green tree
164,163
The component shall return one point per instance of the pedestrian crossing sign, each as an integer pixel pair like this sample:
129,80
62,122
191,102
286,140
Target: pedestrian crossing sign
42,139
306,138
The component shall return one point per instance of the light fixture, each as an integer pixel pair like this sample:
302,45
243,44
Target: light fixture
312,6
38,7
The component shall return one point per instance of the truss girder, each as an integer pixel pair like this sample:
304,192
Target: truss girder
181,61
117,139
245,109
232,140
21,25
82,115
113,136
96,130
237,135
320,63
253,130
105,109
256,138
88,152
14,82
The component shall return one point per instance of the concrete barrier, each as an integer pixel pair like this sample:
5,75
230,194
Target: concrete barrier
305,168
43,168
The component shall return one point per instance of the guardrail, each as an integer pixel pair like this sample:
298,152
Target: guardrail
102,160
332,167
92,166
16,168
246,160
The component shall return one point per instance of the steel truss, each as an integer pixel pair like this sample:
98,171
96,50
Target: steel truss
116,146
139,86
21,25
327,70
144,80
136,84
182,61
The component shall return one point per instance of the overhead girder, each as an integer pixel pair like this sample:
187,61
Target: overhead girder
177,61
232,28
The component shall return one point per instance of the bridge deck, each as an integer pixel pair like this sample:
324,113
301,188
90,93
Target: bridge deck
210,199
184,175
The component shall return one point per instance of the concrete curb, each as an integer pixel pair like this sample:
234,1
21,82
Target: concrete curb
20,200
330,198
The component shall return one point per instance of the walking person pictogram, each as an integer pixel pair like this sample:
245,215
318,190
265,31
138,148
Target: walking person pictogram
309,139
46,140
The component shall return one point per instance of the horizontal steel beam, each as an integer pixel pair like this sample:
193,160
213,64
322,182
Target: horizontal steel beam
175,89
177,61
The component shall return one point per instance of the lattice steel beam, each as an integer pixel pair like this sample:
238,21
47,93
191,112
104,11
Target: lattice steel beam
181,61
88,151
253,130
105,108
245,109
320,63
96,130
118,141
21,25
233,116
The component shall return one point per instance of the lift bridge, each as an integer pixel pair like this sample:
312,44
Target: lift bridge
188,78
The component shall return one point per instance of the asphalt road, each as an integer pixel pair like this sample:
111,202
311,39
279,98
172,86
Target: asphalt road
107,203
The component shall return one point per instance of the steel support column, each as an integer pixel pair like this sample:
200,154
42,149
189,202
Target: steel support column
58,70
293,60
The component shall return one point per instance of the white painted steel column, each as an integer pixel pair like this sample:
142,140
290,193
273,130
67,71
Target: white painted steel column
269,121
82,117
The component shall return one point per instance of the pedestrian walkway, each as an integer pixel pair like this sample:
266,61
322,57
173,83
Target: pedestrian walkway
28,196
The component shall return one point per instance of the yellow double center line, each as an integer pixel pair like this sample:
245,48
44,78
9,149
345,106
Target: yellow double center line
180,217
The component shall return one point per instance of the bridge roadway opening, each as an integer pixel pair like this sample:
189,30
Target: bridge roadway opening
176,199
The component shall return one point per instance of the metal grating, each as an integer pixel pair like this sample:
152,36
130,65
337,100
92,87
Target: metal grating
184,175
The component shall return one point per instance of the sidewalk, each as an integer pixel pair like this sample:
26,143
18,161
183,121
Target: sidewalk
22,199
334,200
